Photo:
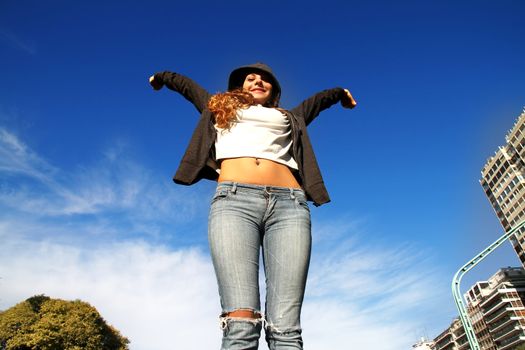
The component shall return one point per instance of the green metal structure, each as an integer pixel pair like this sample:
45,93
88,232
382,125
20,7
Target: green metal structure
456,291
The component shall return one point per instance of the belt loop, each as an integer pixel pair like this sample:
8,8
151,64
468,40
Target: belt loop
292,195
234,187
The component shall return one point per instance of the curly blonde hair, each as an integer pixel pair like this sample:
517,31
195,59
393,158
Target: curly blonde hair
224,106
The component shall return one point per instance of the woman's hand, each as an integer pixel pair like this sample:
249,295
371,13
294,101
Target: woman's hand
155,83
348,101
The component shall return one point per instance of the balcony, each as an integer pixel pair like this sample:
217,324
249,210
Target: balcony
506,333
497,315
443,341
497,326
460,336
491,302
464,345
511,343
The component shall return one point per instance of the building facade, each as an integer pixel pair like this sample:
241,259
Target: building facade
449,339
503,181
497,312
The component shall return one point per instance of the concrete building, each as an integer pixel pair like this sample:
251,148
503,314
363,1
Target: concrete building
503,181
475,296
503,311
497,312
423,344
448,339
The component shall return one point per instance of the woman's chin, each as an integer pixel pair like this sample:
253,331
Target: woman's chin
260,100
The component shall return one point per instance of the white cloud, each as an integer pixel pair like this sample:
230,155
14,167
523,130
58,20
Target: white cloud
17,158
157,297
366,294
66,234
164,298
114,187
333,325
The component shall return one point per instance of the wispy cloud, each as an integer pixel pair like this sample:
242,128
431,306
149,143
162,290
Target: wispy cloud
135,284
377,294
115,190
18,43
158,297
54,229
17,158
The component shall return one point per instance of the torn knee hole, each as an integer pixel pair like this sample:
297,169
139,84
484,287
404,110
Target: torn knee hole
243,313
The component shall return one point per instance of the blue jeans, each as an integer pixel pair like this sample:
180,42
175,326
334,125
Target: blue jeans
243,218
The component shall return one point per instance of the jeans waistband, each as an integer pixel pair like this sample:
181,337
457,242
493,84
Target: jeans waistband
233,186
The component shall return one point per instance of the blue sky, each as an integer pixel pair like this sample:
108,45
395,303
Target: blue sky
87,151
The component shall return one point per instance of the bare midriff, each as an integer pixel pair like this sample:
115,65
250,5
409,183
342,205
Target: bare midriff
257,171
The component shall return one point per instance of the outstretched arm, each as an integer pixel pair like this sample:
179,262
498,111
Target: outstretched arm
311,107
192,91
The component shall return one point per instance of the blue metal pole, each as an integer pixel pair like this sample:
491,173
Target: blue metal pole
456,291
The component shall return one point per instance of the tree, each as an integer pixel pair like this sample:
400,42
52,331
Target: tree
49,324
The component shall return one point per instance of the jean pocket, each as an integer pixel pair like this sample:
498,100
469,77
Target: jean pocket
301,201
220,194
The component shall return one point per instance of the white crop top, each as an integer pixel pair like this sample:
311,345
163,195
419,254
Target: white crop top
259,132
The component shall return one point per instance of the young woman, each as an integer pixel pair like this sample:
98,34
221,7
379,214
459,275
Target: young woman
266,170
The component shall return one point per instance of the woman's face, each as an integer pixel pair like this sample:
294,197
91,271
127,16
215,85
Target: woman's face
258,86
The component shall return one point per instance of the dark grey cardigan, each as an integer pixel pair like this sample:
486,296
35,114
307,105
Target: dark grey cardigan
199,160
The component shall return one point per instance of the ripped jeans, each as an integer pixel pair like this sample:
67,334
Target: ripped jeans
243,218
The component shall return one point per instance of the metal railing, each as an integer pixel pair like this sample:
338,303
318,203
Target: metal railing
456,291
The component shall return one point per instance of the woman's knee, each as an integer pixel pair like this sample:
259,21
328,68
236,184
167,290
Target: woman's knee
241,329
243,313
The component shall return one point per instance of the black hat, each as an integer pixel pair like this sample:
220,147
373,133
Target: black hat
238,75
